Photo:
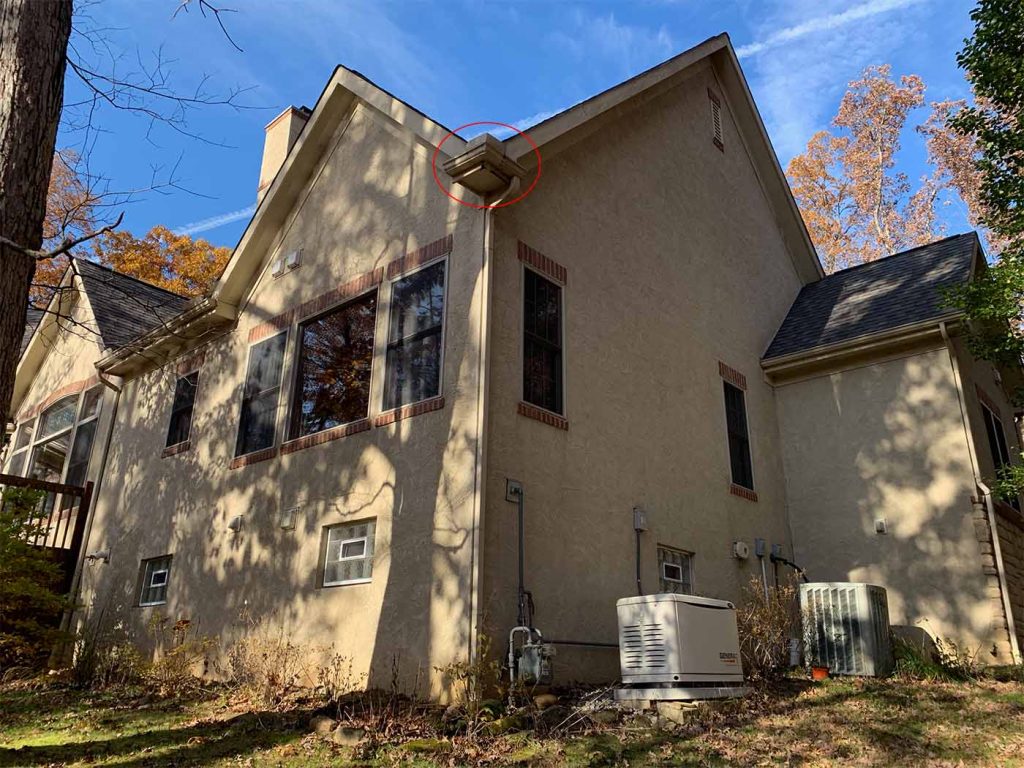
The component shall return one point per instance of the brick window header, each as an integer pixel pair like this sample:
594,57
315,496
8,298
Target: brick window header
420,256
190,363
733,376
544,265
69,389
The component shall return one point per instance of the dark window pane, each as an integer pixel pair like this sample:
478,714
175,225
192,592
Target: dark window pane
91,403
414,371
739,441
81,451
414,337
542,342
259,402
48,458
334,367
24,435
181,410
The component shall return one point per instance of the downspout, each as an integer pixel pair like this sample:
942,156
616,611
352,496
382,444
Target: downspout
76,581
482,374
990,510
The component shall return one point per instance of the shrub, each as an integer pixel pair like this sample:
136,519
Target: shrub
30,606
266,665
766,623
182,650
106,657
948,661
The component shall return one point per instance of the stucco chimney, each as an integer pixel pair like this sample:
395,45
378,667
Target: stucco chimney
282,132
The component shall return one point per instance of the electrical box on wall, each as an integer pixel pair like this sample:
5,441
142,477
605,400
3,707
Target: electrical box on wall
639,520
740,550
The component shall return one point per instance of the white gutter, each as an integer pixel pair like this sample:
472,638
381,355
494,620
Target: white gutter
997,553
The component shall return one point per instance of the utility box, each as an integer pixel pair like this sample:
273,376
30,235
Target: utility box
678,647
846,628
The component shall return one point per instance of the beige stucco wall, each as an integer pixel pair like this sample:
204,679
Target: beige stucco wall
371,201
887,441
674,263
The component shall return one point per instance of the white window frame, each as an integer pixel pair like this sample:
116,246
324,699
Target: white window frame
341,548
280,392
522,339
444,328
147,585
37,440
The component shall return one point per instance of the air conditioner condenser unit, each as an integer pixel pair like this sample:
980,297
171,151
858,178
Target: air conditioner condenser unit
846,628
678,647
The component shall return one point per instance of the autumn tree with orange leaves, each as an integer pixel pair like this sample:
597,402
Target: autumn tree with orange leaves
855,203
162,257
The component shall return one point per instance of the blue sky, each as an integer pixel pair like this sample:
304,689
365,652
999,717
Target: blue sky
469,60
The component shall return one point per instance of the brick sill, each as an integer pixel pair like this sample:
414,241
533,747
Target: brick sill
743,493
326,436
408,411
253,458
543,416
174,450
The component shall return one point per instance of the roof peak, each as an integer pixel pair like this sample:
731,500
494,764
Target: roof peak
848,270
105,268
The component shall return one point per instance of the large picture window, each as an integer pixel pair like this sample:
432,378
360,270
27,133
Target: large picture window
181,409
739,439
415,337
258,418
542,342
335,361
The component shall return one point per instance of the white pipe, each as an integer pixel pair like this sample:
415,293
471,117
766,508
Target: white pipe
997,552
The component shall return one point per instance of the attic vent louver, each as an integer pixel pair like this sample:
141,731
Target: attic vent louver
716,120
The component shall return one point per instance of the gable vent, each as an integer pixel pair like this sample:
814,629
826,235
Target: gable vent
716,120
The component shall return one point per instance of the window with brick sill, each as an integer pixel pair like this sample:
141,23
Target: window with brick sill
415,347
740,464
258,417
542,343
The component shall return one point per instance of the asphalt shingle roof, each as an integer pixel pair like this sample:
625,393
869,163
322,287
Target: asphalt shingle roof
125,307
32,318
899,290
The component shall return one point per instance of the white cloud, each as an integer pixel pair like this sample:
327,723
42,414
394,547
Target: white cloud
631,48
214,222
823,24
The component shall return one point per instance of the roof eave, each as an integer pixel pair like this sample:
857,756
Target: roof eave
873,342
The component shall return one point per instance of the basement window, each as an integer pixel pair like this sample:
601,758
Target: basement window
335,360
740,465
156,573
675,571
256,424
415,337
542,342
348,553
181,410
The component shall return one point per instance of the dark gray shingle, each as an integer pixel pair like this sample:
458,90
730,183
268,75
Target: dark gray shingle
32,318
125,307
899,290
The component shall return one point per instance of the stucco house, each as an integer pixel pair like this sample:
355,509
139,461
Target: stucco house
413,324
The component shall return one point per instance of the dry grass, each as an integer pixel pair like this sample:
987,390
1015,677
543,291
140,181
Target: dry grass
849,722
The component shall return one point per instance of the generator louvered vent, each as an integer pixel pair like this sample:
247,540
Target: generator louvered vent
643,647
846,628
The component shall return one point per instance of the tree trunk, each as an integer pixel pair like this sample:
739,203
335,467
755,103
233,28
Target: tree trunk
33,46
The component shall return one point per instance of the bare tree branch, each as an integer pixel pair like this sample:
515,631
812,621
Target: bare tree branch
204,7
64,247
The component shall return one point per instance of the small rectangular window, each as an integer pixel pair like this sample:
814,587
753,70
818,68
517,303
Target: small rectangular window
415,337
181,410
348,553
156,574
675,569
542,342
335,360
257,422
739,440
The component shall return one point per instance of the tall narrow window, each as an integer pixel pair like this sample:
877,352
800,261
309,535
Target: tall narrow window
156,573
85,435
542,342
335,359
415,337
181,410
997,445
259,400
739,440
22,444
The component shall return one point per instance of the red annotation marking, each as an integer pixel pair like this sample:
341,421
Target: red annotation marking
437,180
